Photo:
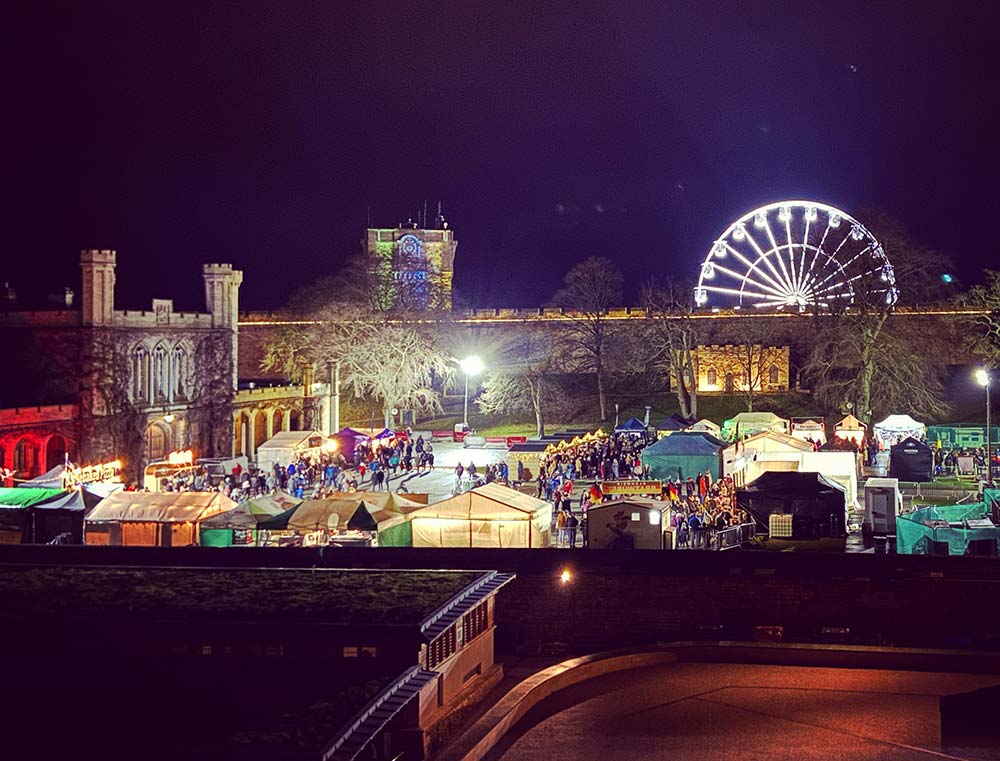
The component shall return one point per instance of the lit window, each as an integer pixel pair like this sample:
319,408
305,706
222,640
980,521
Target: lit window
369,652
350,652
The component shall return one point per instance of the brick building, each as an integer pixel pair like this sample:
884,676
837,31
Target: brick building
416,256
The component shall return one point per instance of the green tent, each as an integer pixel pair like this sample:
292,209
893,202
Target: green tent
25,497
218,531
684,455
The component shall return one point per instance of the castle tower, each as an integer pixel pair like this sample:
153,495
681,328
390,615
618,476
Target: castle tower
98,286
222,301
416,254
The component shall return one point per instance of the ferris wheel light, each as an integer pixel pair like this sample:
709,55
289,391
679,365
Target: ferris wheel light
857,233
835,220
720,249
785,214
759,220
740,232
708,270
700,296
811,214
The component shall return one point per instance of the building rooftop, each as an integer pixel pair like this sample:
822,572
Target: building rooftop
344,597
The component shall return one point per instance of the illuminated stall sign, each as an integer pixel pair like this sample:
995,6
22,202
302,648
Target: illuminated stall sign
72,477
631,488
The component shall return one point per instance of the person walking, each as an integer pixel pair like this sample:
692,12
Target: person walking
571,525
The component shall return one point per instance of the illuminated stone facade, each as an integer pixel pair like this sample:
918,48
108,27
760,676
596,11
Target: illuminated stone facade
416,256
728,369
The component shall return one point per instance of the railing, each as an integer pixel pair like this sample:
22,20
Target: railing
735,536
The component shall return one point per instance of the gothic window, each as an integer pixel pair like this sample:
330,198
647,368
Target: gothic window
178,368
159,373
140,375
773,375
711,377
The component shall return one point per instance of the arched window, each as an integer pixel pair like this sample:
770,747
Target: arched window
25,457
140,375
178,370
773,375
711,377
159,373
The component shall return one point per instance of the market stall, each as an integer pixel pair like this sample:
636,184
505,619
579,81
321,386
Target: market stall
348,440
146,519
684,455
705,426
813,506
895,428
238,527
670,425
15,525
632,427
850,429
62,517
911,460
637,524
487,516
809,430
748,423
529,454
287,446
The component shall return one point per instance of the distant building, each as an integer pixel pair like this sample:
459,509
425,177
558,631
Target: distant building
420,259
729,369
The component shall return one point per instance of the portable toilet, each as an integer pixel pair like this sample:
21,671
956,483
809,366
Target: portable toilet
883,504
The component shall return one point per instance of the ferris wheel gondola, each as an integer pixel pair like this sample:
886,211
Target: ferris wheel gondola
798,254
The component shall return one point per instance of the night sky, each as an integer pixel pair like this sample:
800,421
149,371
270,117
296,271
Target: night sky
261,133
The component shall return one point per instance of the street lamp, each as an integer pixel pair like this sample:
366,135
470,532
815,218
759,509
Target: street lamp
983,377
472,365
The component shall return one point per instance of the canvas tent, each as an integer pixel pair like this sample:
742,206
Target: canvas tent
348,440
239,525
670,425
18,522
683,455
911,460
817,504
632,426
62,515
895,428
749,423
850,429
286,446
705,426
487,516
153,519
811,430
628,524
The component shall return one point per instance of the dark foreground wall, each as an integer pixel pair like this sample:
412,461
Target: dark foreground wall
625,597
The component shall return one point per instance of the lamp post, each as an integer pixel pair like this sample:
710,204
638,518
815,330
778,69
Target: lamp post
472,365
983,376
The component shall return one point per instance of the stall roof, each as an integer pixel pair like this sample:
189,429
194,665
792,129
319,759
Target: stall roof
313,514
632,424
850,423
530,446
289,439
489,502
899,423
163,507
76,500
381,500
251,513
686,443
26,497
789,442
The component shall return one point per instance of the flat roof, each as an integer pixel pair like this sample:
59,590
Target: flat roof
343,597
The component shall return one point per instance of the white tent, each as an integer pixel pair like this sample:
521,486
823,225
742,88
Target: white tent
285,447
487,516
749,423
851,429
707,426
809,429
153,518
895,428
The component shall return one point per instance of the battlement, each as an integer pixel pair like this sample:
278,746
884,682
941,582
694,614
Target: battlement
104,256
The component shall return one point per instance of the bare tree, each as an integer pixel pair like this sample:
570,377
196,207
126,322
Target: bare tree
982,330
751,355
859,350
672,338
590,290
524,380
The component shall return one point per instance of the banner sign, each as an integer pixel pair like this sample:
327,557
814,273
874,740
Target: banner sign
633,488
73,477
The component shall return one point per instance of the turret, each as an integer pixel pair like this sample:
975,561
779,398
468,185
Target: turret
98,286
222,302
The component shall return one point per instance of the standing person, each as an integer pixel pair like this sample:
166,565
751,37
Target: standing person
571,524
520,471
379,477
560,526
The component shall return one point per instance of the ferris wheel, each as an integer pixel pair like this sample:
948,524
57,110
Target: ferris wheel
795,254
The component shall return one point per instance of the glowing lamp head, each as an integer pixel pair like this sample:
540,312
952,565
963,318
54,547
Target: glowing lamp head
565,577
472,365
946,278
168,418
982,378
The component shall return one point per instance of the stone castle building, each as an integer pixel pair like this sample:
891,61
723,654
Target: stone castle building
418,258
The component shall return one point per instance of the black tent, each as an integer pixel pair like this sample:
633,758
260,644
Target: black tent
63,515
818,506
911,460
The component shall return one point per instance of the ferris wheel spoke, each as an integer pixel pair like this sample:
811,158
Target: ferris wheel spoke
843,283
842,268
736,292
761,256
751,266
747,279
777,252
805,252
791,252
819,250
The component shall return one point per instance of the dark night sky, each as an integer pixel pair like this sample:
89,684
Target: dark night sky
259,133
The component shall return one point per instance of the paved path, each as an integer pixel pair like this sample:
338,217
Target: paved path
704,712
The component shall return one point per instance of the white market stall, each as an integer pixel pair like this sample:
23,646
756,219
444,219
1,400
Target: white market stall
705,426
487,516
150,519
896,428
748,423
809,430
287,446
850,429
